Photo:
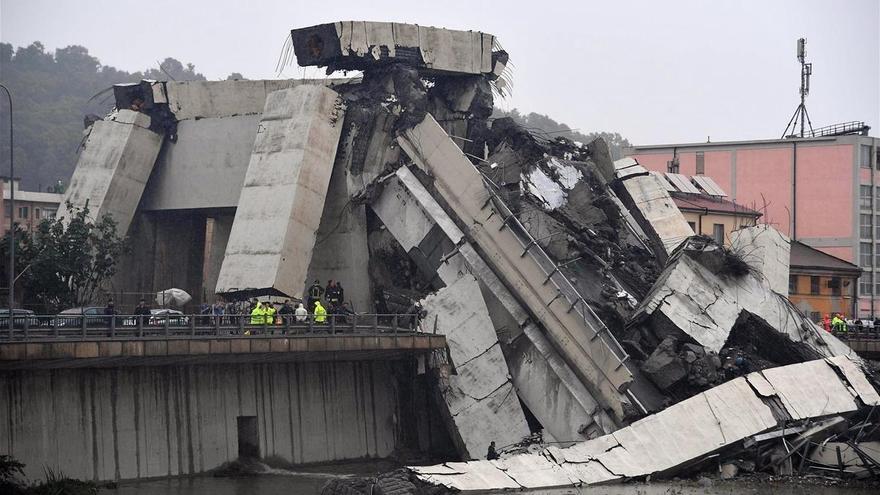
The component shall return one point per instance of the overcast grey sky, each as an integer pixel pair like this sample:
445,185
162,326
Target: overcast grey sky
655,71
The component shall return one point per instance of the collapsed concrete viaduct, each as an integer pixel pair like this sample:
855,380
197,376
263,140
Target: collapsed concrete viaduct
553,273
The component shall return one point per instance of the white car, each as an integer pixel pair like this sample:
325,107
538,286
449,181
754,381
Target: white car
158,316
865,323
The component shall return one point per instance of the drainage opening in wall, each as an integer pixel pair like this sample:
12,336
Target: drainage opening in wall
248,437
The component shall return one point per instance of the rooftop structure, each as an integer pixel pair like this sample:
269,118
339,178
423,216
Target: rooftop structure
821,191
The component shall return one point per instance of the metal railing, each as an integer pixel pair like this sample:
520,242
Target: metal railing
565,289
64,327
857,332
843,128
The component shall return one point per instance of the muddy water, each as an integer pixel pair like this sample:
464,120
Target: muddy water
311,483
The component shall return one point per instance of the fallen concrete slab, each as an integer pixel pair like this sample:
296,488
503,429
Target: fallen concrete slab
718,419
651,205
767,251
279,211
479,396
114,164
696,297
575,331
543,380
356,45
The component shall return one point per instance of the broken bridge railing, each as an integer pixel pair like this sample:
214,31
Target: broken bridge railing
566,291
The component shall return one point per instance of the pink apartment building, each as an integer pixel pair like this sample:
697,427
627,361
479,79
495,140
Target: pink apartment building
822,191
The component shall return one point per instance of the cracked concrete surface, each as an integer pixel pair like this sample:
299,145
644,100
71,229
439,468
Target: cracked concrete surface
691,300
655,445
479,395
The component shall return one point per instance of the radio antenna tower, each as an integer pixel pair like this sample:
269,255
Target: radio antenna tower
800,113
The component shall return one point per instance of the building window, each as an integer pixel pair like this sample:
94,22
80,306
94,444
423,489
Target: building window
865,254
865,222
877,255
49,214
718,233
8,210
792,284
814,286
23,212
693,226
866,284
701,163
865,156
865,198
834,285
672,166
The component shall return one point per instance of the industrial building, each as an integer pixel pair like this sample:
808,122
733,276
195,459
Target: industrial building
823,191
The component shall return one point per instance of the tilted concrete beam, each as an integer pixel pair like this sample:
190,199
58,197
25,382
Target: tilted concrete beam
481,404
543,380
116,160
651,206
579,336
279,211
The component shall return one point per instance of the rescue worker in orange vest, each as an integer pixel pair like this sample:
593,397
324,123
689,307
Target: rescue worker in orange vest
826,323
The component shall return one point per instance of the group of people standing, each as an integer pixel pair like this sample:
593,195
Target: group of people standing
267,314
333,295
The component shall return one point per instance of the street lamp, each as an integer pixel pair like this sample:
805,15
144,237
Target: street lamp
11,271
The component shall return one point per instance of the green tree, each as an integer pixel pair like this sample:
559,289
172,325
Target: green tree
65,263
52,92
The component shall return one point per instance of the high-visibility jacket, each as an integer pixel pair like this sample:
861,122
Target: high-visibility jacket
258,315
838,324
320,313
270,315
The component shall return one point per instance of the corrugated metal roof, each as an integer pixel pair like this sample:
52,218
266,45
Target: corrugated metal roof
669,187
682,183
710,186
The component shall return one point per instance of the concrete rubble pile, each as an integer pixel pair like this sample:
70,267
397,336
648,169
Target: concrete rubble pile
575,299
701,430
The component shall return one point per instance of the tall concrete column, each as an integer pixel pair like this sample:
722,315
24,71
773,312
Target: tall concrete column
279,210
116,160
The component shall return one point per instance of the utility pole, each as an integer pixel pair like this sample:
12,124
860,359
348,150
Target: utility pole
11,268
800,112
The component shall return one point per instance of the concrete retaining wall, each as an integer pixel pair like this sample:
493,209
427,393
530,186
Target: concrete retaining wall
122,423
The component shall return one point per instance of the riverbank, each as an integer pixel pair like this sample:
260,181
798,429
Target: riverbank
312,480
